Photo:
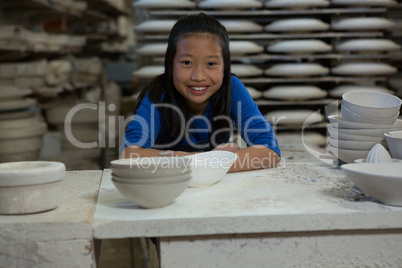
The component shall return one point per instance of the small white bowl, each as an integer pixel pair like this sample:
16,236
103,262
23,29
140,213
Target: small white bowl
151,195
150,167
210,167
337,121
346,155
351,145
165,179
383,181
394,140
370,104
350,116
379,133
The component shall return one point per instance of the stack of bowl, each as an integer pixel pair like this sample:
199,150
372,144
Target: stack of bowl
151,182
366,117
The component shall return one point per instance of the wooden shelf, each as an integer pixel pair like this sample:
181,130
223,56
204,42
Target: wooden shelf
334,79
37,6
266,12
106,7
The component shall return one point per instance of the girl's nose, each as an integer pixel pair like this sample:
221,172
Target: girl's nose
198,74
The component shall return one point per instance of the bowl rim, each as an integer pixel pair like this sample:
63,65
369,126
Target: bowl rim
369,118
381,166
347,94
389,134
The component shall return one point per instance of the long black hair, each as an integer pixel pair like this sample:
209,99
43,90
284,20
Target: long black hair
162,86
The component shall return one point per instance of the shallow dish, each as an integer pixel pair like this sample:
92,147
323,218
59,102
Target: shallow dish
382,181
394,140
336,134
210,167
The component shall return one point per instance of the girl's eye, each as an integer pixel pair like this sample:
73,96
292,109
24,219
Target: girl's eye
186,62
212,63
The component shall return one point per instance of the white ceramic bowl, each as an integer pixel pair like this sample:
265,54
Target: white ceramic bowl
370,104
160,180
150,167
336,134
337,121
351,145
210,167
394,140
347,155
151,195
348,115
379,133
382,181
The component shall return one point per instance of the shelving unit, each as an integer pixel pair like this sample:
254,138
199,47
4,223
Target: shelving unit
264,60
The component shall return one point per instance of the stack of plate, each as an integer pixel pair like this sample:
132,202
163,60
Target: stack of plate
366,116
151,182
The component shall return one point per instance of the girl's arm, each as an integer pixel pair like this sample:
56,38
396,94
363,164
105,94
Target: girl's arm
255,157
134,151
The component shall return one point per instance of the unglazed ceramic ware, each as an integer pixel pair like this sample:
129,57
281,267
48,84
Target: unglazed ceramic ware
299,4
382,181
210,167
163,4
378,154
337,121
394,140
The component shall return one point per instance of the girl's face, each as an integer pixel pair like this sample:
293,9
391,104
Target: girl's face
198,70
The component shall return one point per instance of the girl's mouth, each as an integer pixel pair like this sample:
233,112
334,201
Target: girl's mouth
198,90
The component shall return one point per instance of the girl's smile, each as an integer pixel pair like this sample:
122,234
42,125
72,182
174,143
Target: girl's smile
198,69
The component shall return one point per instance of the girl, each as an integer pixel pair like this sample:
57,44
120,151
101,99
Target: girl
196,103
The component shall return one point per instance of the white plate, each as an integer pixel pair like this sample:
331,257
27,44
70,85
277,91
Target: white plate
297,25
299,46
348,156
296,3
302,92
296,69
17,104
244,70
351,145
241,26
294,117
362,23
364,44
364,68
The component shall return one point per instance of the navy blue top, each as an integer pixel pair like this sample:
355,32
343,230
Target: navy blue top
146,127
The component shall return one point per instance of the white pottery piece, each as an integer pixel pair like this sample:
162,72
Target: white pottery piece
394,140
347,155
58,115
366,3
351,145
376,105
297,92
361,23
299,46
158,180
378,154
294,117
254,93
348,115
16,104
382,181
336,134
30,131
229,4
337,121
365,44
241,26
244,47
155,26
210,167
30,187
246,70
158,49
12,92
149,72
364,68
376,133
19,122
338,91
163,4
297,25
151,195
296,69
296,4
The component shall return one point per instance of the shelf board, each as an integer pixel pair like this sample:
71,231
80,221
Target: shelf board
269,36
264,102
37,6
335,79
266,12
106,7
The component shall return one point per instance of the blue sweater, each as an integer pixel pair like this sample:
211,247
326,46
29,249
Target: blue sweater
146,127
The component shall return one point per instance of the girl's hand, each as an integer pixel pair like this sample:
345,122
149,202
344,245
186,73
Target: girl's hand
231,147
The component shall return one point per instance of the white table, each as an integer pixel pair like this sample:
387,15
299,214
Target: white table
300,215
58,238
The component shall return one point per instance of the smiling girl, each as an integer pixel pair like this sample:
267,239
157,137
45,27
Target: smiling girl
196,103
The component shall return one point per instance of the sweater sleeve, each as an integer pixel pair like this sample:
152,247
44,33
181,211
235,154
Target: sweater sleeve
144,127
253,126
